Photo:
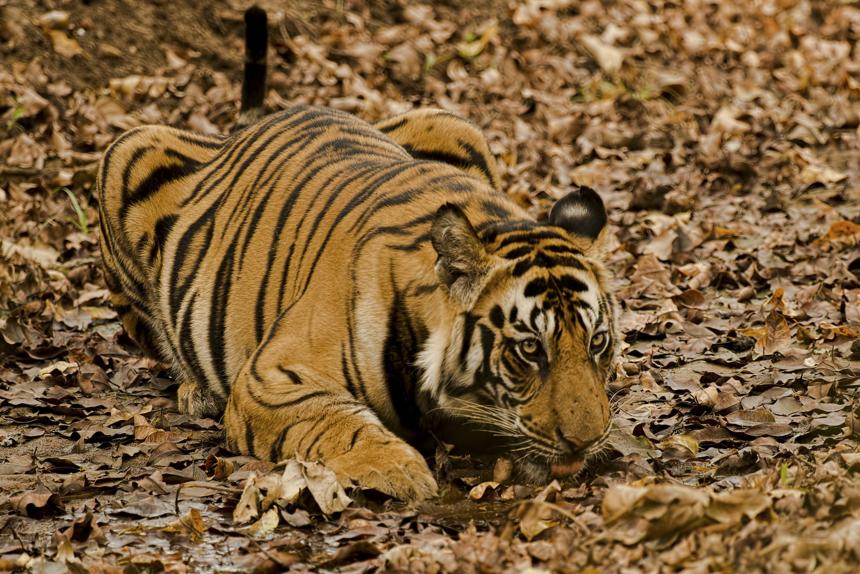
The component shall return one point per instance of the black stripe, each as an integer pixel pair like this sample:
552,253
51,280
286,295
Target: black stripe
556,248
528,236
522,267
249,437
308,132
270,185
136,156
348,146
518,252
209,142
391,127
186,351
509,366
468,329
276,450
419,188
366,170
354,438
497,317
309,450
157,179
218,319
571,283
264,289
294,377
415,244
533,317
108,156
425,289
438,156
344,368
161,230
549,262
478,160
283,404
357,200
536,287
403,341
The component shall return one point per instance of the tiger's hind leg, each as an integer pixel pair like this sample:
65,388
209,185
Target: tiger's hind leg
142,180
190,397
441,136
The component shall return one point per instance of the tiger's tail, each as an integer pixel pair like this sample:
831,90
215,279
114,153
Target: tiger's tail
254,81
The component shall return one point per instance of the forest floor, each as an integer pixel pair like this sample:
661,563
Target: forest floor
724,139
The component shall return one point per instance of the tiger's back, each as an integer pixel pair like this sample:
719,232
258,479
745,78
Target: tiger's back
222,236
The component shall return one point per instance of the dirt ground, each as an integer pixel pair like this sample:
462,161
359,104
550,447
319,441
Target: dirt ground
724,138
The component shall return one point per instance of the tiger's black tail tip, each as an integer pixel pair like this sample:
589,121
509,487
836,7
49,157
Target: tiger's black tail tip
256,46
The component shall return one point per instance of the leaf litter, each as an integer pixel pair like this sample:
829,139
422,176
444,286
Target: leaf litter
723,137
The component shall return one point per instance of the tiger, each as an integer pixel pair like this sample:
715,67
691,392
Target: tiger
354,294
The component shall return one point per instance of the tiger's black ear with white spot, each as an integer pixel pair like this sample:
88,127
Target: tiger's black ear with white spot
462,261
582,214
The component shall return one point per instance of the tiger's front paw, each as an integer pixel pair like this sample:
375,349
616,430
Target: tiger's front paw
392,467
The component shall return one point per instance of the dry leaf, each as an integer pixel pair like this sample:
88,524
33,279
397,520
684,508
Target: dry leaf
266,524
483,489
62,44
609,58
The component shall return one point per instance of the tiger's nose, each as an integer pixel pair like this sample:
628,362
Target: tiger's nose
572,444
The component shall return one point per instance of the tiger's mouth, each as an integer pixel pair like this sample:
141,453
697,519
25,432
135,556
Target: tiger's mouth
567,466
571,465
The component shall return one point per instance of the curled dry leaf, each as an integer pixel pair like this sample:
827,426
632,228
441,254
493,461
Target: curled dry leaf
325,488
284,489
38,503
479,491
247,507
85,528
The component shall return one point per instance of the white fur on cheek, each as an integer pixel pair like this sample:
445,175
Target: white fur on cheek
430,360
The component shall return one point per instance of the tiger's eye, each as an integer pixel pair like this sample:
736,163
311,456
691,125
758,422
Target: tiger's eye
530,348
598,343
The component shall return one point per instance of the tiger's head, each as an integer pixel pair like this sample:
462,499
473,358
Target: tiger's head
523,366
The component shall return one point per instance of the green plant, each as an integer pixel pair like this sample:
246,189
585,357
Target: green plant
83,222
17,114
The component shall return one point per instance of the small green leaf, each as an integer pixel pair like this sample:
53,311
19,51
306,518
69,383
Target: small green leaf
83,221
784,478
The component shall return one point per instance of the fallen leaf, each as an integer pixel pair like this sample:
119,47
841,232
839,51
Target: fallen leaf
62,44
266,524
483,489
38,503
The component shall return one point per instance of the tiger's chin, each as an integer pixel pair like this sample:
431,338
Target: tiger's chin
542,471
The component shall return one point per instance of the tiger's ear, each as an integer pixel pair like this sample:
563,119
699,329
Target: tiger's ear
582,214
462,260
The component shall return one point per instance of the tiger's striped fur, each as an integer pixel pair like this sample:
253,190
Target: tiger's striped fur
340,290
